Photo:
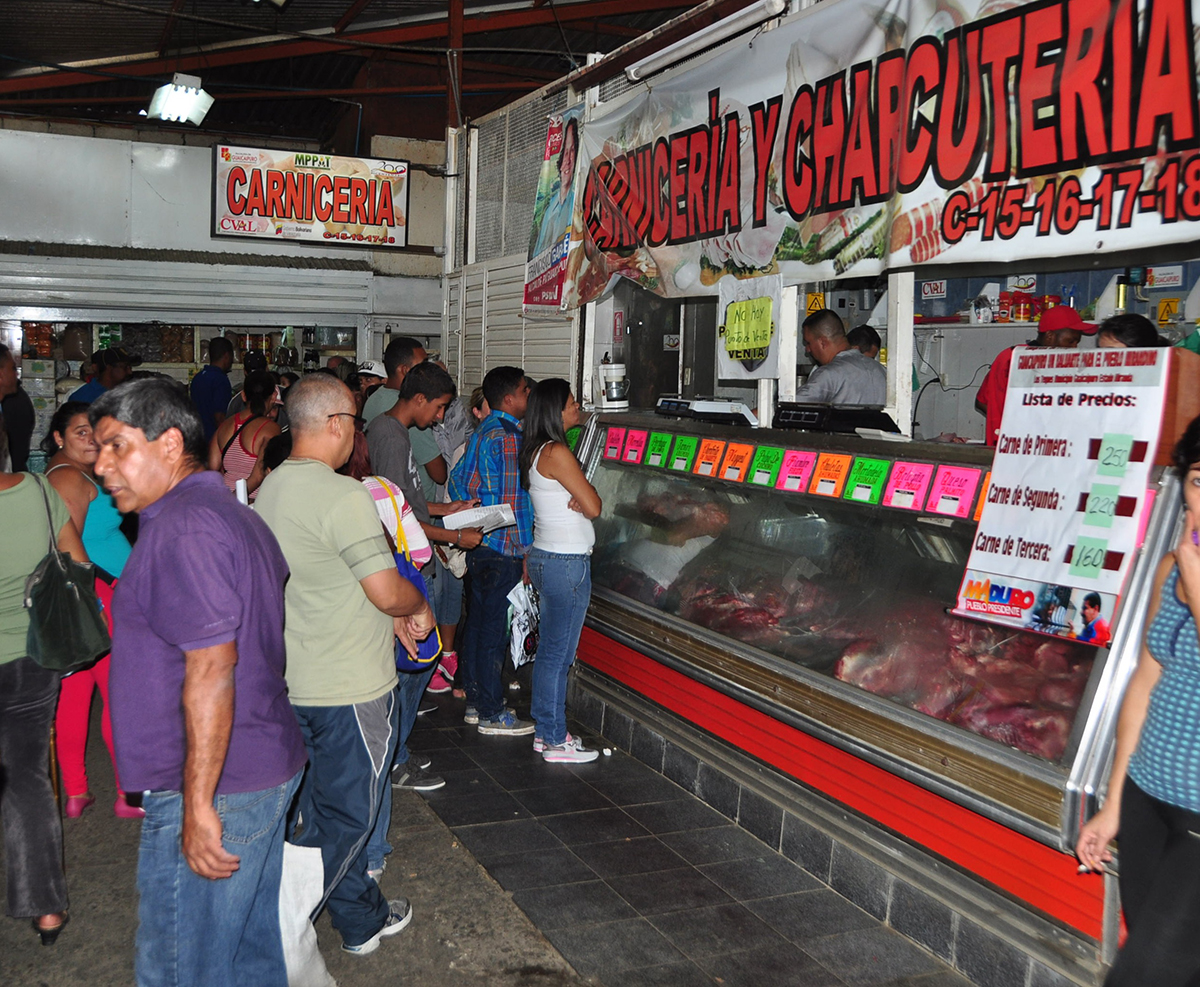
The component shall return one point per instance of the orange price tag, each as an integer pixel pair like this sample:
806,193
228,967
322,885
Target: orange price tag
830,475
709,457
987,482
736,462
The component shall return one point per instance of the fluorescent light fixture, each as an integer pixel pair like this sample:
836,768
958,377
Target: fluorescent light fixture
743,20
180,100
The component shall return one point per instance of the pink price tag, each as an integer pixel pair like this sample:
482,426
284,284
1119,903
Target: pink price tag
796,470
953,491
635,445
907,485
614,443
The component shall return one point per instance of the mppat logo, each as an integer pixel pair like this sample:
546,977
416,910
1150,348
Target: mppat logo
990,597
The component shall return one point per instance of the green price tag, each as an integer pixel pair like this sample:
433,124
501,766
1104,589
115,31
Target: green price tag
1088,558
683,453
656,449
865,483
1114,454
764,469
1101,505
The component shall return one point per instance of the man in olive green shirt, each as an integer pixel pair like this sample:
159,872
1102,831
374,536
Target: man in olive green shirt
345,605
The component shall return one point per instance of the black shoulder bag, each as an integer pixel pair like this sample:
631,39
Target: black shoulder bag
67,631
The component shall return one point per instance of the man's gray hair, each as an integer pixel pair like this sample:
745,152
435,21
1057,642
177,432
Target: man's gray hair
312,399
825,323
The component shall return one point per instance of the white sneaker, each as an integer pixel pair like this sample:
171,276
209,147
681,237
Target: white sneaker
570,751
399,915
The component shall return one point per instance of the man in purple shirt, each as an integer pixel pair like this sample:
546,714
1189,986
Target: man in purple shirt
201,718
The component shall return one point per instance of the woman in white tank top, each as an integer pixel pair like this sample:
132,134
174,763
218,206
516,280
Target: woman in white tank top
560,565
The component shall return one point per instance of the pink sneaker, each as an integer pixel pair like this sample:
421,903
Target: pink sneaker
438,683
448,665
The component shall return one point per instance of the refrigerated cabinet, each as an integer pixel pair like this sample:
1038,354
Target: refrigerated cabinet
802,583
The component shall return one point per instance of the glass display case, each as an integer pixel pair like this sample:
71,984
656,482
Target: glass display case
815,573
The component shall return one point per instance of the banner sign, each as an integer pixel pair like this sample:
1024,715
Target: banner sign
553,207
317,198
1062,514
858,136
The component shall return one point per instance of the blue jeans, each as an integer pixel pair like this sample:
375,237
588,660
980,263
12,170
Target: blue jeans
350,750
411,689
564,583
224,933
484,642
445,593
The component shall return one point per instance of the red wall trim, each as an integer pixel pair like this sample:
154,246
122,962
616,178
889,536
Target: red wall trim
1031,871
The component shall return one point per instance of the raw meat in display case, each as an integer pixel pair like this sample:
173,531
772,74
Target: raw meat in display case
855,594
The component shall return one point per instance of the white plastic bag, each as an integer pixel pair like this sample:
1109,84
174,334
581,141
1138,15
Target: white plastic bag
300,891
523,629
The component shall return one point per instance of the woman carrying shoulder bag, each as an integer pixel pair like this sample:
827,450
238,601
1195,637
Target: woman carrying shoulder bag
37,886
73,453
560,565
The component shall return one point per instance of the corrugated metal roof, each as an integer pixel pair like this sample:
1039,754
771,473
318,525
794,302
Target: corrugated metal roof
36,34
26,248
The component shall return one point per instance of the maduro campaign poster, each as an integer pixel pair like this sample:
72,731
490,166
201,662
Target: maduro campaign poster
858,136
317,198
553,216
1065,509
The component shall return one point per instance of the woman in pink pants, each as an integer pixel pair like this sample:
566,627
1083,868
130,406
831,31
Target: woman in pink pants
73,453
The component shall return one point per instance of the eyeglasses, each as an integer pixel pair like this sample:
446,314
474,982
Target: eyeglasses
358,419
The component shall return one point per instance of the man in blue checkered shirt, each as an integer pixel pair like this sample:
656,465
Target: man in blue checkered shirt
490,471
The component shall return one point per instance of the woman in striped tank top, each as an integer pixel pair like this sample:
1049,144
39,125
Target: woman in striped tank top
239,441
1154,789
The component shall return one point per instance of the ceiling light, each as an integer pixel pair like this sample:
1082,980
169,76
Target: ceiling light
743,20
180,100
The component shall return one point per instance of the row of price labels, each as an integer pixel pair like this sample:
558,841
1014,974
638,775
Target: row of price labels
954,491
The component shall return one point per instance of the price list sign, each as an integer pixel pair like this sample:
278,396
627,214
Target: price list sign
764,469
709,457
657,447
866,479
683,453
1067,492
829,477
635,446
796,470
614,443
907,485
736,462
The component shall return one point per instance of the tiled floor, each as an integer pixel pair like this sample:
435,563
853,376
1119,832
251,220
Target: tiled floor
637,882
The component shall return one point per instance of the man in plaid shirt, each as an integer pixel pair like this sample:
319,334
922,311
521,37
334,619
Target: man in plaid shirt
490,471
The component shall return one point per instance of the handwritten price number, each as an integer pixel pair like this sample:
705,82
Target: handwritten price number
1101,509
1088,557
1114,457
1060,203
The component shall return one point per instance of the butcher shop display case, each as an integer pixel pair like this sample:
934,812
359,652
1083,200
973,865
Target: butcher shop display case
811,576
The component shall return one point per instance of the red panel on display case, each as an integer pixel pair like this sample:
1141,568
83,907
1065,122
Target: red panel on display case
1032,872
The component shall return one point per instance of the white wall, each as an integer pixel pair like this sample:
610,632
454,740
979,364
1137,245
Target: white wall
81,190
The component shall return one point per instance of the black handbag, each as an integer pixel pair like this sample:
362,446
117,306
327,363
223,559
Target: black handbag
67,630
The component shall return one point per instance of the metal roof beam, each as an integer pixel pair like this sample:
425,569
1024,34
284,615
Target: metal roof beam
169,27
280,48
19,102
350,15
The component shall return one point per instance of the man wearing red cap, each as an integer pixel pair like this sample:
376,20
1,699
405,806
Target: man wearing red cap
1059,328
